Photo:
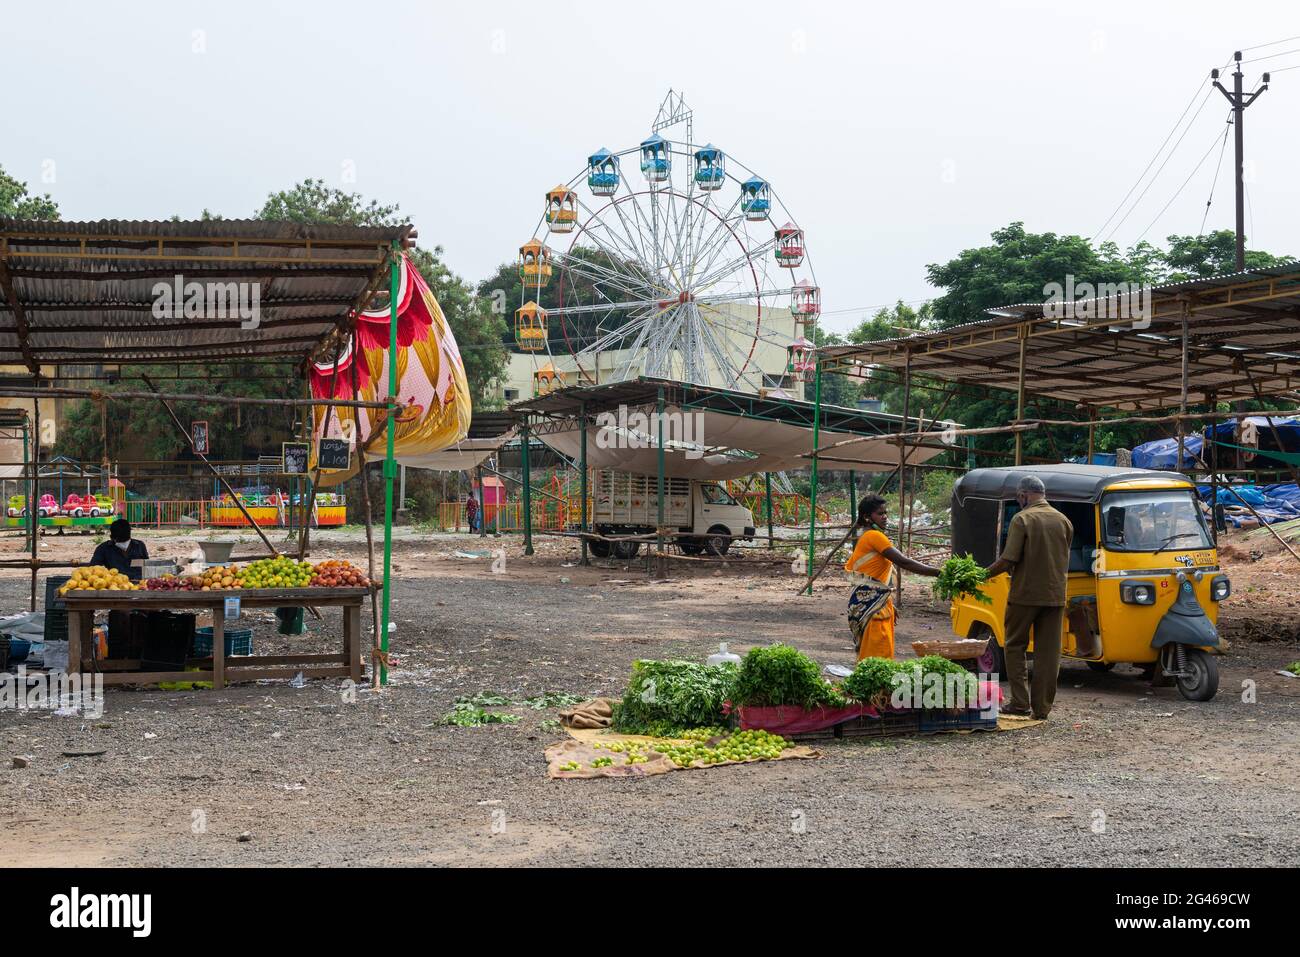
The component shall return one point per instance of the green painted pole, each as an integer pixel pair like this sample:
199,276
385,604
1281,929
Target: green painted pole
659,534
390,462
771,539
524,440
583,484
853,494
816,439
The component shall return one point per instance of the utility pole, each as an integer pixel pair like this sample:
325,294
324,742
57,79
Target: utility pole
1239,102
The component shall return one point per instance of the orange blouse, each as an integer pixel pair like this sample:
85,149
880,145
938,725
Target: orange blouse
868,556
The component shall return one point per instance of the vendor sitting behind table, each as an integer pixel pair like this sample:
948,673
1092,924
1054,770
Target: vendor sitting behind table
121,552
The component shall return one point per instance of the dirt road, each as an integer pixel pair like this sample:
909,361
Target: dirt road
1121,774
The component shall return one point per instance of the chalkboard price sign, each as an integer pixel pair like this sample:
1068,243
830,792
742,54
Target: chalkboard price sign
334,453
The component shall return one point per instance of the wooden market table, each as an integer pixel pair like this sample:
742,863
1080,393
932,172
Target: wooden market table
82,606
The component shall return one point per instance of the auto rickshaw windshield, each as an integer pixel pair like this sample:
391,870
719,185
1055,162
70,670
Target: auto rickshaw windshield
1153,521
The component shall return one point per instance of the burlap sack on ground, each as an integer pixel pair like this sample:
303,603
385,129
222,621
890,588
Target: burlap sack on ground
595,713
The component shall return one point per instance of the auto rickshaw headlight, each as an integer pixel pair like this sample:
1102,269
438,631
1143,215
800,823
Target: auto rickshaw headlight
1137,593
1220,587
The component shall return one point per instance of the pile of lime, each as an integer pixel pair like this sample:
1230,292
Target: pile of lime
752,745
635,751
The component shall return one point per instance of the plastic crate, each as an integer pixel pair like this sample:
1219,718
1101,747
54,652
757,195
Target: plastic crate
239,641
967,719
52,597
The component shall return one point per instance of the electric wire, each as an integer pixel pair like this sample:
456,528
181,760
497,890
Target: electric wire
1151,182
1180,189
1151,163
1215,181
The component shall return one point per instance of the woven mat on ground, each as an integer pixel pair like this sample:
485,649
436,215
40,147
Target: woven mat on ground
1014,722
580,748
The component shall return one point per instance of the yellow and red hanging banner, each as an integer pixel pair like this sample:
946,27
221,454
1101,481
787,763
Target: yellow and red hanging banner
431,386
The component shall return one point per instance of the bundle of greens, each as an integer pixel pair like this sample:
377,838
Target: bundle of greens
779,675
872,681
939,665
961,575
665,697
1293,667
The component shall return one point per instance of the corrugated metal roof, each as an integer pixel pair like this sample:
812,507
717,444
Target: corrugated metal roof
97,291
1243,336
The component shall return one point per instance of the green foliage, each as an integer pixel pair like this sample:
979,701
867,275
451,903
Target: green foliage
958,576
1293,667
232,435
666,696
872,681
466,715
778,675
17,202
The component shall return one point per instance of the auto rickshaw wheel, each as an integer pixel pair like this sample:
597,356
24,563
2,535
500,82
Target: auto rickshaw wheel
1201,680
1101,665
993,660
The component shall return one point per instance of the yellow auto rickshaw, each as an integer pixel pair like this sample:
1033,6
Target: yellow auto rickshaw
1144,580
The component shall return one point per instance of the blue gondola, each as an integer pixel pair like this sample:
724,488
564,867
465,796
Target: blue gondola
709,168
755,199
655,161
602,173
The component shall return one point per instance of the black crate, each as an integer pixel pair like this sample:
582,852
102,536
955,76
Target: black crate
125,634
167,640
966,719
56,625
52,597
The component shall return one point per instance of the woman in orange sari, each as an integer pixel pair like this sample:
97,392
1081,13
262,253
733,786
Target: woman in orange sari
871,567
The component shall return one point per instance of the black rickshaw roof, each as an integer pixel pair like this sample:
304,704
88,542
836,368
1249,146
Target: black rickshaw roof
1064,483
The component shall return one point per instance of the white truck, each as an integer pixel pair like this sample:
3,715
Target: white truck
704,514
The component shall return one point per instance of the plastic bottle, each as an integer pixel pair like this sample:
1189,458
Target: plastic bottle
722,656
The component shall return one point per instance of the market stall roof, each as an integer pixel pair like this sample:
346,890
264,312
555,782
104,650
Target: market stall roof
715,433
100,291
1243,334
488,431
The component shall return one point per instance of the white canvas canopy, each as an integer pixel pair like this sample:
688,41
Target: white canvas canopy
708,444
464,456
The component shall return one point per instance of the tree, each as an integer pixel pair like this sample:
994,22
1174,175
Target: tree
479,331
16,202
1213,254
1017,267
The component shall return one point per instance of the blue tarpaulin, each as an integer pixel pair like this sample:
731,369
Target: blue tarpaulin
1163,453
1273,503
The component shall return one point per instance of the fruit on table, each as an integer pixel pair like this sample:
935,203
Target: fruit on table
338,574
97,578
280,572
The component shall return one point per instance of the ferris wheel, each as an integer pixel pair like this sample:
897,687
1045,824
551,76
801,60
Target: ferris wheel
685,267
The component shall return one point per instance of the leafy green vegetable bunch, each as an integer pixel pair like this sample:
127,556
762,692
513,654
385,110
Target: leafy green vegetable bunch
961,575
663,697
779,675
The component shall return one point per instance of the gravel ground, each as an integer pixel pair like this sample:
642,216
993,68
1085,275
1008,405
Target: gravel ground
314,779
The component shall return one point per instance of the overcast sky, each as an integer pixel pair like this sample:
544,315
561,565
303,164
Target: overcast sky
897,134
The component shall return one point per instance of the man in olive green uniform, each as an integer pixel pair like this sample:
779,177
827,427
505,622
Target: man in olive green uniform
1037,554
